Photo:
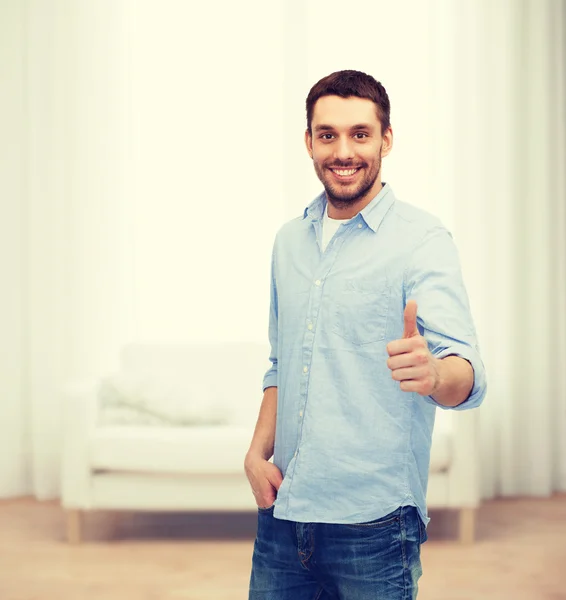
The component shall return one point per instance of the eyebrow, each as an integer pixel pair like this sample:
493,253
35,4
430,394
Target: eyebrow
354,127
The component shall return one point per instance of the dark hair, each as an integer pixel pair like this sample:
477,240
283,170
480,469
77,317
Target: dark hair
351,83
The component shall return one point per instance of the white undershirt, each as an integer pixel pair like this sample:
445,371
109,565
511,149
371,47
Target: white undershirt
329,228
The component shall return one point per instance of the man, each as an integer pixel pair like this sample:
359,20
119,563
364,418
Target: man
370,331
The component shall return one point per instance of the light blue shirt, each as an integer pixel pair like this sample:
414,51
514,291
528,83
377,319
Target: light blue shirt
351,445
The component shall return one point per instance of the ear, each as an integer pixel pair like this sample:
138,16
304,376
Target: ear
308,142
387,144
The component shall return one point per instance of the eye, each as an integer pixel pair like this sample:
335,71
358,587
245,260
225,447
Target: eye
326,136
360,135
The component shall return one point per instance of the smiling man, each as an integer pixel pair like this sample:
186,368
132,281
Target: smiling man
370,331
350,177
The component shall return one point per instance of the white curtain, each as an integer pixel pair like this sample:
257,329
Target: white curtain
508,147
160,148
152,166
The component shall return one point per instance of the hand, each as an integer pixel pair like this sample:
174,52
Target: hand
410,360
265,479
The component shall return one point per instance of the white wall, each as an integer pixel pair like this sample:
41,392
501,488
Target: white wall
206,101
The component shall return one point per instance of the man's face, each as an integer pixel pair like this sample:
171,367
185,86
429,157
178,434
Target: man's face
346,146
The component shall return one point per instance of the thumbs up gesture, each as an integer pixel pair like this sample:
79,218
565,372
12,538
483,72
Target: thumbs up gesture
410,360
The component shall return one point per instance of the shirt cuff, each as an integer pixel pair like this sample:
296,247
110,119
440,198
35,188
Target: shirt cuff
480,383
270,379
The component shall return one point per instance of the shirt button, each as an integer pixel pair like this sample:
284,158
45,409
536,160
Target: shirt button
359,225
317,282
295,455
305,369
301,414
310,326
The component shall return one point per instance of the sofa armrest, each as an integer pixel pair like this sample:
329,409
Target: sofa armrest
79,420
463,475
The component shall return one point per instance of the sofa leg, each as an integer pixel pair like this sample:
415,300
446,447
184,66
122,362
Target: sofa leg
467,525
74,523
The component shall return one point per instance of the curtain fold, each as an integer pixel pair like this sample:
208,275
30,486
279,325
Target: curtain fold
526,418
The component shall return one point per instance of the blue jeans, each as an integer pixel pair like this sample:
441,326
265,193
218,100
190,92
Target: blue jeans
379,560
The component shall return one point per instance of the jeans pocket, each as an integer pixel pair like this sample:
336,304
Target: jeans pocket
266,510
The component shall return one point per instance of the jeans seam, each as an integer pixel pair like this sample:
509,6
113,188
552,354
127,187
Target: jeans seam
318,593
403,553
305,560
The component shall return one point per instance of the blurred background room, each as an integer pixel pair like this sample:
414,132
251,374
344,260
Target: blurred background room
149,152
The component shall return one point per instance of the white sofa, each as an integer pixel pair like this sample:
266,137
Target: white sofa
200,467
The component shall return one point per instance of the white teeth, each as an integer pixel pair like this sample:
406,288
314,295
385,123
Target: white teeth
344,172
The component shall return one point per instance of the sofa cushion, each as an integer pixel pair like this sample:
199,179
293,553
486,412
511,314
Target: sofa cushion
227,375
202,449
154,399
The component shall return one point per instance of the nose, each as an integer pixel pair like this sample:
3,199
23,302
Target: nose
344,150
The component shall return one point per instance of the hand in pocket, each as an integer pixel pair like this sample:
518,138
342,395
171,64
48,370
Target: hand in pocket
265,479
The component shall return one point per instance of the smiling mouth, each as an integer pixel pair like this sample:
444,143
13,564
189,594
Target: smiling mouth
345,173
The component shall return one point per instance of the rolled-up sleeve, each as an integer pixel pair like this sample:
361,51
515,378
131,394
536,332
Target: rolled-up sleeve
270,377
434,280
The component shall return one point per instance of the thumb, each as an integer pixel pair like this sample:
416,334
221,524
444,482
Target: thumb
410,318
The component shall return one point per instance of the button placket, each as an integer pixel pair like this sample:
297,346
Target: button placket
319,276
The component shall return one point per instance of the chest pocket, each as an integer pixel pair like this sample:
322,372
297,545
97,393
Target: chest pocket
360,311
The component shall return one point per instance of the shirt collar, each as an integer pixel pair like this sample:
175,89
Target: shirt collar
372,214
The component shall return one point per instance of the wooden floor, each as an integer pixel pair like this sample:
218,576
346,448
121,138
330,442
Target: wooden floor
520,554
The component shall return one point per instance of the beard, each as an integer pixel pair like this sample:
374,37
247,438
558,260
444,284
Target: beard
345,195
